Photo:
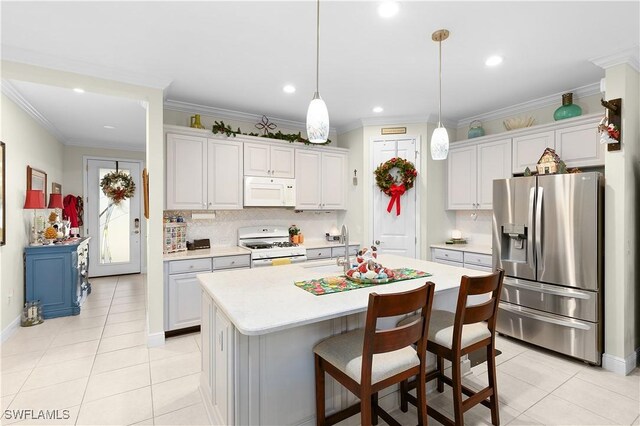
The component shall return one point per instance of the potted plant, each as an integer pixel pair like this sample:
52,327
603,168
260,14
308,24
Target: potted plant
294,232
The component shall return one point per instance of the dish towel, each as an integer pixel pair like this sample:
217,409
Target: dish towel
279,262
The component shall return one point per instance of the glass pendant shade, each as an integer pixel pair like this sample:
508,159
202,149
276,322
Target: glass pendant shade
317,120
439,144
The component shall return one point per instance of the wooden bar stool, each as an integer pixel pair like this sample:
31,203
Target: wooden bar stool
367,360
453,335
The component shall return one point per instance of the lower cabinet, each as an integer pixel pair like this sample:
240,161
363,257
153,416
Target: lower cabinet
466,259
182,288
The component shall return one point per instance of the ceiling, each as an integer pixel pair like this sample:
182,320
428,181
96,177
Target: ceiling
237,55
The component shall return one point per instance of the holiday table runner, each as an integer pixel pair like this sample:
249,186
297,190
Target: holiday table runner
338,284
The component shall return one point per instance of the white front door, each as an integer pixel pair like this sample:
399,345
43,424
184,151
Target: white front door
115,229
392,233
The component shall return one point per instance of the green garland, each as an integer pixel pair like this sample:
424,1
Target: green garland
220,127
384,180
118,186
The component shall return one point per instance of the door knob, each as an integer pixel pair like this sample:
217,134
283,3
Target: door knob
377,242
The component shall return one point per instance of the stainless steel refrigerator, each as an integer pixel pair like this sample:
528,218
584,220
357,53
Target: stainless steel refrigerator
547,236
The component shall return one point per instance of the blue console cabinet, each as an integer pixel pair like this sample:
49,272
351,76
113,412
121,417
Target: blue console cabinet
57,276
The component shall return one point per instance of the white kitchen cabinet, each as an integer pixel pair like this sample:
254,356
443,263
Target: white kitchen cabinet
184,297
575,140
579,146
203,173
182,288
528,149
462,175
462,259
494,162
186,172
471,171
224,176
263,159
321,180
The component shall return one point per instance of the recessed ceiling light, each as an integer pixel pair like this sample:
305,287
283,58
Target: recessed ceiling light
388,9
494,60
78,90
378,109
109,127
289,89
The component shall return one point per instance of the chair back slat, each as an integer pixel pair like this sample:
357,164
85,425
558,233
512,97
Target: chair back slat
481,312
400,303
396,338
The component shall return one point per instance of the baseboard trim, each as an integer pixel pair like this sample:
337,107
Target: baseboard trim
621,366
155,339
10,329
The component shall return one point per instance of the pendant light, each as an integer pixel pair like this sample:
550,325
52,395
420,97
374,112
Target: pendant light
440,138
317,114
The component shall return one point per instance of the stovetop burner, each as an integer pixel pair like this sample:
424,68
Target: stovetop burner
284,244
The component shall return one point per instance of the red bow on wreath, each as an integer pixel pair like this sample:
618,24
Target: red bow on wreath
395,191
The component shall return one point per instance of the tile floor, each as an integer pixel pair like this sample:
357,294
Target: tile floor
97,367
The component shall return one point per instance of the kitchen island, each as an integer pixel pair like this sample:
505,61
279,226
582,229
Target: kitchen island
259,330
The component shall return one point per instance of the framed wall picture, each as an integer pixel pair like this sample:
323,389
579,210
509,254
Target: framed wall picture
3,213
56,188
37,179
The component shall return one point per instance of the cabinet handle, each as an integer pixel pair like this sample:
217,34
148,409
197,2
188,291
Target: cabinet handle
233,262
221,338
446,255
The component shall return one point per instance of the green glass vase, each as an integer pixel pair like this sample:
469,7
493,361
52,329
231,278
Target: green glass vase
568,108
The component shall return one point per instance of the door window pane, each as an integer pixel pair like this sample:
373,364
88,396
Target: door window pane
115,223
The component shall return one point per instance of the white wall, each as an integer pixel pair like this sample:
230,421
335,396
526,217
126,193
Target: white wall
476,231
27,144
622,173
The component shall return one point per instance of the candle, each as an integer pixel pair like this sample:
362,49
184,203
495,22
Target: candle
456,234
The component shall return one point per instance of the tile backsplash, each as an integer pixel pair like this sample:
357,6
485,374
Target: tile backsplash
478,231
223,230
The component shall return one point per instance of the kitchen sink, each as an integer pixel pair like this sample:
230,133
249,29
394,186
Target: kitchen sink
323,267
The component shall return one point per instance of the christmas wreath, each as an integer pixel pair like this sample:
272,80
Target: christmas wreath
394,187
118,186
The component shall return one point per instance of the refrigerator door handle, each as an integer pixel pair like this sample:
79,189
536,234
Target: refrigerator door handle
541,288
568,322
538,230
532,203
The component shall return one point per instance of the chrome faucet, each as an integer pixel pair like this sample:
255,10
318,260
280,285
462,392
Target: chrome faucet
345,262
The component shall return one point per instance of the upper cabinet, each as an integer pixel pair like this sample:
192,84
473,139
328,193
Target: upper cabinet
471,171
574,140
528,149
203,174
263,159
321,180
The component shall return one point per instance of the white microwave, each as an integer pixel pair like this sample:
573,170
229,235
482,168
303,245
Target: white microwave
269,192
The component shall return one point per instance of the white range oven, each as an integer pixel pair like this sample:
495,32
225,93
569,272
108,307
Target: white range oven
270,245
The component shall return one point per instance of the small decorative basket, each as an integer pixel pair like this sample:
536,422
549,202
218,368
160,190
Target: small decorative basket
31,314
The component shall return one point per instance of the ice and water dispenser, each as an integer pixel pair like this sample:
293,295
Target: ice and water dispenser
514,246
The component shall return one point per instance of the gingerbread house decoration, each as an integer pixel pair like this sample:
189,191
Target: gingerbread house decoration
549,163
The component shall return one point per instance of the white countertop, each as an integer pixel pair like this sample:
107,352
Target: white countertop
212,252
471,248
265,300
315,244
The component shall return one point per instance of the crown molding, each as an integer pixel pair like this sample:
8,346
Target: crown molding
395,121
228,114
629,55
11,92
15,54
579,92
103,144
